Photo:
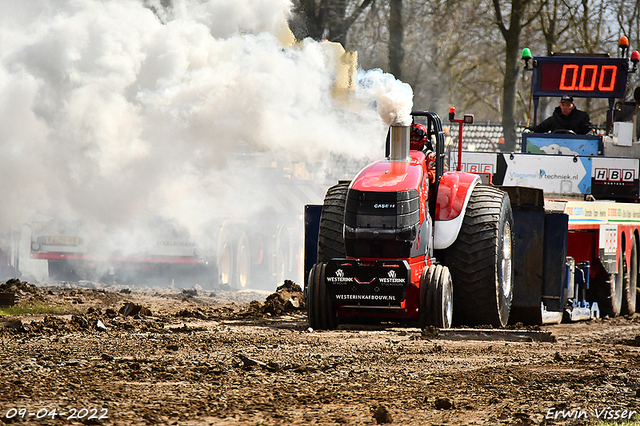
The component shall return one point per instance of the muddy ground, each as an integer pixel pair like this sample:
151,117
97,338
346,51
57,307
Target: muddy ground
192,357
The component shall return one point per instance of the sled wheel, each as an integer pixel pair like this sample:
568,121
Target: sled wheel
480,260
243,262
226,264
283,256
608,291
330,236
321,312
631,281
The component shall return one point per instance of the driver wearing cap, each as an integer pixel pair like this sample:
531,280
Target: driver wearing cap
566,117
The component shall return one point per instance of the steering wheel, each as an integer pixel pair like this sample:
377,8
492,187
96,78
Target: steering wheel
564,132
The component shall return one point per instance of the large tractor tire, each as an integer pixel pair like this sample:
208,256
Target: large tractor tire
436,297
480,260
330,236
321,311
631,281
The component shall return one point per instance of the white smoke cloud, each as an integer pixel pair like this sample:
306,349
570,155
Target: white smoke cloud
393,97
116,113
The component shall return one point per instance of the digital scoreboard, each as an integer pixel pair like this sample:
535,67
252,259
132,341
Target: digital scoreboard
579,76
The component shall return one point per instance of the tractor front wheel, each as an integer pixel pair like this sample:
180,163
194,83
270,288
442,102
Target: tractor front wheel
436,297
480,260
321,311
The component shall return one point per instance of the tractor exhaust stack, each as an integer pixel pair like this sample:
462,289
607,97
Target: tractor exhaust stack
399,143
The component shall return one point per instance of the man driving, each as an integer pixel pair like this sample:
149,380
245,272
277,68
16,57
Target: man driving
566,117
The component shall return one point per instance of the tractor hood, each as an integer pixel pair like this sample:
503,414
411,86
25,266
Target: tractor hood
389,176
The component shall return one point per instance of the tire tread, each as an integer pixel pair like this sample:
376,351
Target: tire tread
330,236
472,259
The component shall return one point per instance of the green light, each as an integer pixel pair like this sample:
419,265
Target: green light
526,54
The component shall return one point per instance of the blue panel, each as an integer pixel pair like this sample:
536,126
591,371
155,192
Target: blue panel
311,228
550,143
527,257
585,184
556,229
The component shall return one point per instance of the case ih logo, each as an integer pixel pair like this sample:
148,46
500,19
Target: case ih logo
340,278
614,175
392,280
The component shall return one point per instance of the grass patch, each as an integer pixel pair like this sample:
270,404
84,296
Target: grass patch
31,308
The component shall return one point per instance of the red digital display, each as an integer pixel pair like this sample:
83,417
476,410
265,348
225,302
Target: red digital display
583,77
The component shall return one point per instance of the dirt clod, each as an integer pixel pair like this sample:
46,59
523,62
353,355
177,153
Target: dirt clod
382,415
443,404
131,309
17,286
287,299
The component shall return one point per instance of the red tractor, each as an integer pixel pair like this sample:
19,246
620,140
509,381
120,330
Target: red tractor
407,241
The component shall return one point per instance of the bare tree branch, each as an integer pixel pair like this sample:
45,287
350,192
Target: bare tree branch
499,20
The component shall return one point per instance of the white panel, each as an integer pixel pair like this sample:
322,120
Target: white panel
623,133
476,162
556,174
608,238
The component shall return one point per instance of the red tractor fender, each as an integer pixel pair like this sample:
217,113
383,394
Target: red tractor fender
454,192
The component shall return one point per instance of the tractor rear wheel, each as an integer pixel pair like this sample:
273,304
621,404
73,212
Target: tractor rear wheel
480,260
330,236
321,312
436,297
631,281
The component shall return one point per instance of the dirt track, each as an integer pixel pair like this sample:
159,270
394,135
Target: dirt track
193,358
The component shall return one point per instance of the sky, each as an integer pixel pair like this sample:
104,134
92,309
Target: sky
122,113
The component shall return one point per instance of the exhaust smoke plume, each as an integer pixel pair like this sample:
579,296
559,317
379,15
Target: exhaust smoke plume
394,98
120,113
